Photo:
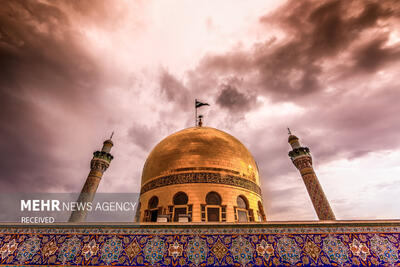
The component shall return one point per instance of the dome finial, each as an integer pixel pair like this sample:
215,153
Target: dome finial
198,104
200,121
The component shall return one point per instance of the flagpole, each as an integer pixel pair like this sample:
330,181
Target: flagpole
195,113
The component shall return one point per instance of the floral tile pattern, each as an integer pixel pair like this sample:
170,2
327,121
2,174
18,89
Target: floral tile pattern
335,250
8,248
28,249
242,250
312,250
175,250
200,246
69,250
111,250
384,249
90,249
265,250
154,250
359,249
49,249
288,250
197,250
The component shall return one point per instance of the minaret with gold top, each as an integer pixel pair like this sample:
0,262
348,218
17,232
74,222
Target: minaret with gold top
98,165
302,159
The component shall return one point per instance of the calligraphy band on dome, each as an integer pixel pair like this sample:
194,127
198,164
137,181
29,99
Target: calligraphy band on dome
201,177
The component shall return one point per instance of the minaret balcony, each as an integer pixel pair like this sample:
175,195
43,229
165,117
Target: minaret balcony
300,151
103,155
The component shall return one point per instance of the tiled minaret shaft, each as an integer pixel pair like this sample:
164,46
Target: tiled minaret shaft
302,159
98,165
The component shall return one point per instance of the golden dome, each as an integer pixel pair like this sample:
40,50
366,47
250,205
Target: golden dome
200,148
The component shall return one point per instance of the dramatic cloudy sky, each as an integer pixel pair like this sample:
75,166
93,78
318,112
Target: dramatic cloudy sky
74,71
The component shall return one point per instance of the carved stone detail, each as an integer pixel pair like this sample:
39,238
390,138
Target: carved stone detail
303,162
98,165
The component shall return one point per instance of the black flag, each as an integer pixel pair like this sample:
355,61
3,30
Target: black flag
199,104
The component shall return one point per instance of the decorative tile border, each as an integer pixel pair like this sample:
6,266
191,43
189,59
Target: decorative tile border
195,245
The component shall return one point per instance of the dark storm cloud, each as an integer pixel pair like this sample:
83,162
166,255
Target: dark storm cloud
39,53
41,67
317,34
326,44
234,100
324,28
372,56
174,90
210,80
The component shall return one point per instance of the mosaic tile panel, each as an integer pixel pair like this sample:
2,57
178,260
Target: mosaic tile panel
201,246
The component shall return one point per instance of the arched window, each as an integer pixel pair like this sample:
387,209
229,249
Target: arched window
151,213
241,202
153,202
242,213
213,211
181,211
213,198
180,198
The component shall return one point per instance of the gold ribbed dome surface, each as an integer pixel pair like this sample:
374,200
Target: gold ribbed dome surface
200,148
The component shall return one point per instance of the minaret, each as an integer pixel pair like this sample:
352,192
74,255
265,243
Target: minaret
301,158
98,165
